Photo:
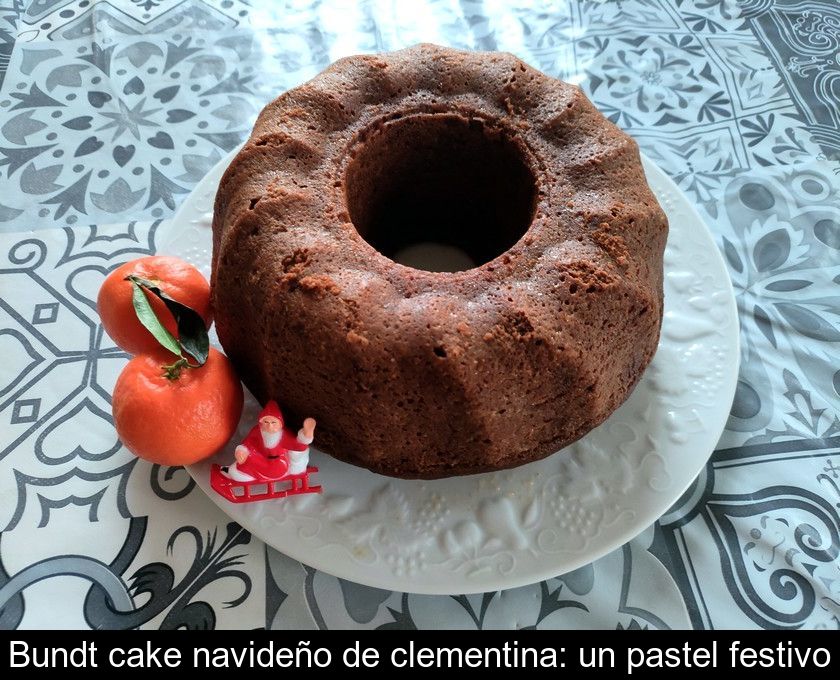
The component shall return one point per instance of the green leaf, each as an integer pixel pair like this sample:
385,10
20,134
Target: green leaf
147,317
192,333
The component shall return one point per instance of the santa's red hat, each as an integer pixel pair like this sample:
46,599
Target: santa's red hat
272,409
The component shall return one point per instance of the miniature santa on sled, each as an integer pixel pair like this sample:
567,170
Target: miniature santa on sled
271,462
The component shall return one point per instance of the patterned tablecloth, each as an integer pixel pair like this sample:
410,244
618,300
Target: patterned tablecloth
111,111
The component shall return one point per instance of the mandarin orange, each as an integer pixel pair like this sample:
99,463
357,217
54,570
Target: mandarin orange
177,278
176,421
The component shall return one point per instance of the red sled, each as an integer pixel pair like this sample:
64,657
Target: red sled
247,492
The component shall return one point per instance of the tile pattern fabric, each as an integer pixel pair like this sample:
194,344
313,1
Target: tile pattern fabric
111,111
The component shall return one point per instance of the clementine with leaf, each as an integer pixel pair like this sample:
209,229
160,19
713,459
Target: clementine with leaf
176,279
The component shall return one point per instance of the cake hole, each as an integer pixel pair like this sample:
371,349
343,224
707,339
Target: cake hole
440,191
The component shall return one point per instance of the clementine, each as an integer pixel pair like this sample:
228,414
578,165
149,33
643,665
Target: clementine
178,279
176,420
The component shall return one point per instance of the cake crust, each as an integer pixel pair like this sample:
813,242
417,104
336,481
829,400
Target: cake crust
422,374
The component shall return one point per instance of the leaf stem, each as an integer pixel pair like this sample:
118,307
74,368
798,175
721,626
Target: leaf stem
173,371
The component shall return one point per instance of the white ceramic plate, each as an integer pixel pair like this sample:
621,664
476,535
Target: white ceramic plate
501,530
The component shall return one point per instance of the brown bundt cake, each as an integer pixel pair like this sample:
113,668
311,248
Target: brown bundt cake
416,373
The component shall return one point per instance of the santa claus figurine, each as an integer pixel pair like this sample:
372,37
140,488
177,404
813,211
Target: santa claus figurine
270,452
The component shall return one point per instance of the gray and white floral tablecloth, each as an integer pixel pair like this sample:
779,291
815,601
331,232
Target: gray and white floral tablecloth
111,111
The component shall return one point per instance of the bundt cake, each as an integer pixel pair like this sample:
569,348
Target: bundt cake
424,374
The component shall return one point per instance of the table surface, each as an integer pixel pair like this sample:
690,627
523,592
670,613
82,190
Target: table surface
110,112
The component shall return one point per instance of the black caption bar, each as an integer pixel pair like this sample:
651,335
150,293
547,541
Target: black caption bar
617,653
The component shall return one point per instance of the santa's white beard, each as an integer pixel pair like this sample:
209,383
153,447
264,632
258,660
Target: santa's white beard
271,439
